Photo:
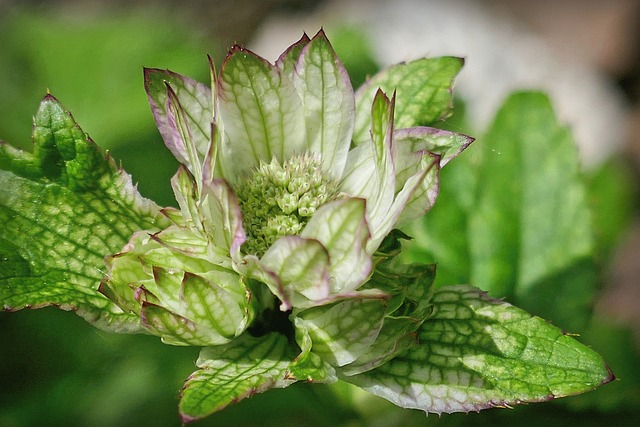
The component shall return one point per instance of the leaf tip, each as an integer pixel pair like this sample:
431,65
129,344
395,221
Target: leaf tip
609,377
49,97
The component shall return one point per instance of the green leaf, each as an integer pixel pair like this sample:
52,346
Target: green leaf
423,93
261,112
342,229
178,124
520,208
221,217
411,288
327,98
302,266
369,171
445,144
63,209
289,58
190,98
233,372
553,225
342,332
295,269
419,192
206,313
309,366
476,353
175,329
421,149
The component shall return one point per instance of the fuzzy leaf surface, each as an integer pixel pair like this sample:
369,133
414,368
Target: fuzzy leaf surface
476,353
233,372
63,209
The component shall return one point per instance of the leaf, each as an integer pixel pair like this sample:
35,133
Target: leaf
194,310
194,100
519,206
549,201
233,372
447,145
411,288
369,172
342,229
423,93
309,366
423,149
63,209
261,111
221,217
419,193
476,353
178,124
343,331
327,98
302,265
286,62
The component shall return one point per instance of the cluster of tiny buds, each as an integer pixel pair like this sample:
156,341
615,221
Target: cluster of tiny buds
278,199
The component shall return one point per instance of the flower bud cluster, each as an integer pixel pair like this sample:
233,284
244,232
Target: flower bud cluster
277,199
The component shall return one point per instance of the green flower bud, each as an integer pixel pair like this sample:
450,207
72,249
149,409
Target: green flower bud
277,200
180,296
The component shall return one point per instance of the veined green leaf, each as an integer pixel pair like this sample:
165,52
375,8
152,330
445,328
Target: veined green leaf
194,99
63,209
477,353
235,371
522,216
302,266
342,229
287,61
369,171
343,331
178,124
185,192
445,144
418,195
410,287
175,329
221,217
327,98
423,93
422,149
261,111
309,366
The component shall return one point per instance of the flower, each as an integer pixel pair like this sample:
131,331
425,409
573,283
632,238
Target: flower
285,196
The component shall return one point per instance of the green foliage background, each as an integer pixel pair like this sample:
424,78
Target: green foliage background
56,368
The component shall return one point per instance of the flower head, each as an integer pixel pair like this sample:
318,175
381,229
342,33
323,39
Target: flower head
286,191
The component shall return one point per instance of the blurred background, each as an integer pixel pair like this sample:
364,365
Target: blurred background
57,370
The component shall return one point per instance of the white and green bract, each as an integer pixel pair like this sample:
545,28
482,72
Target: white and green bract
282,257
275,194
